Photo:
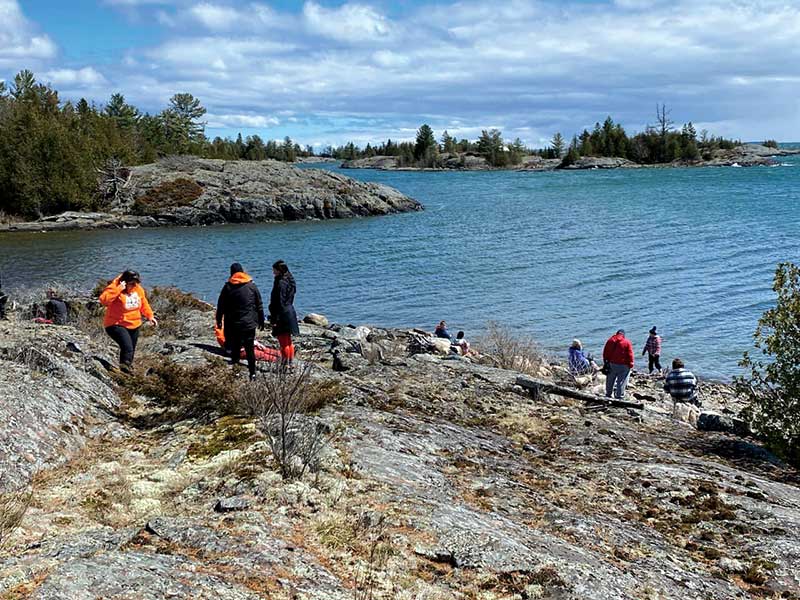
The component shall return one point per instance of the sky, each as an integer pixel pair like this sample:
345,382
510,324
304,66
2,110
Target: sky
327,72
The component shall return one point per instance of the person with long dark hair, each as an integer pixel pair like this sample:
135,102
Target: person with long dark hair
126,304
282,315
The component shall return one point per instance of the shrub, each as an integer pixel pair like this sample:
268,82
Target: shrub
506,349
280,400
772,384
195,390
169,305
178,192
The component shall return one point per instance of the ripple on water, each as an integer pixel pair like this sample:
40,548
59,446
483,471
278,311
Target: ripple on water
558,255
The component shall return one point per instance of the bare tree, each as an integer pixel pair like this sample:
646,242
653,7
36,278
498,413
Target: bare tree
665,125
281,399
113,183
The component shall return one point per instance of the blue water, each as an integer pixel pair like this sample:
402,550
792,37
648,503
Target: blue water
557,255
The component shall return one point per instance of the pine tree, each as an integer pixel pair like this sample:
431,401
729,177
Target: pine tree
557,144
425,147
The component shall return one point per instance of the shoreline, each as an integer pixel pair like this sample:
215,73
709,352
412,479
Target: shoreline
189,191
747,155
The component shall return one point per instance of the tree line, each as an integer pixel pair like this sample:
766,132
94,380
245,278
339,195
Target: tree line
52,152
660,143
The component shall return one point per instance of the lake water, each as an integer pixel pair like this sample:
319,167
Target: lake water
557,255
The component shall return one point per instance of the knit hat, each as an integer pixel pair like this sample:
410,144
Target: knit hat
236,268
653,330
622,331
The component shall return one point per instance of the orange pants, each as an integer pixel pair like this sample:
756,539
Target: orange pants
287,348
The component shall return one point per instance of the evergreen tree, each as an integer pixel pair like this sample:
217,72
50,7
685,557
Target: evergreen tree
557,143
425,148
448,143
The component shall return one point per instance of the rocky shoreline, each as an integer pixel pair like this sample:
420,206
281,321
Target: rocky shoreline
186,191
747,155
441,479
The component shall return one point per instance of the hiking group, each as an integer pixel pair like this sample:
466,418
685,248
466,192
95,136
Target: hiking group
618,362
240,311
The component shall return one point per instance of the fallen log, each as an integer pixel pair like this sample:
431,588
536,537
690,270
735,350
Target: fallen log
539,386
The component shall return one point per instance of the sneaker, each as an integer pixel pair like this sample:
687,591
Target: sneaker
252,376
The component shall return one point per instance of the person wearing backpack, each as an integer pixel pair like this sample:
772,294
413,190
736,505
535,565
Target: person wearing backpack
239,311
618,363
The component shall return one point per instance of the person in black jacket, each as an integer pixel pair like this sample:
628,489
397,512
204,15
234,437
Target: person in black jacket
3,300
240,311
282,315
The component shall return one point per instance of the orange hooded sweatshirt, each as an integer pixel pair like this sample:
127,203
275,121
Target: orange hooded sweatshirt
238,278
123,308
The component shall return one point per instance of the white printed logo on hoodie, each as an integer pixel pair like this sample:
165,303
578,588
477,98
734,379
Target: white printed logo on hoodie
132,301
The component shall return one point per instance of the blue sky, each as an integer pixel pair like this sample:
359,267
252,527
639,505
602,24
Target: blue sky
326,72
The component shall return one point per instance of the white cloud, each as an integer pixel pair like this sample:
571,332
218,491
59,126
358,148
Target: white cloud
243,121
19,44
352,23
85,77
213,16
533,66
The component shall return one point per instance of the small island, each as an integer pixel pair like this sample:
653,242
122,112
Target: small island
607,146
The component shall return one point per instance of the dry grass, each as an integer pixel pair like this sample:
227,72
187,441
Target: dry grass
170,306
9,219
502,347
187,391
178,192
13,506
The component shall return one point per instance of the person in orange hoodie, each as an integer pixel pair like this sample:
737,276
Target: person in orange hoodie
126,304
239,311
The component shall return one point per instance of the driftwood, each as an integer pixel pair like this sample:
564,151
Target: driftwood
539,386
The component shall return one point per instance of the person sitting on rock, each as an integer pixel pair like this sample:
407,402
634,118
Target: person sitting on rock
56,309
681,384
580,362
441,331
652,348
460,344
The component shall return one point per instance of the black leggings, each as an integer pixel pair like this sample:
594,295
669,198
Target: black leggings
653,359
235,339
126,340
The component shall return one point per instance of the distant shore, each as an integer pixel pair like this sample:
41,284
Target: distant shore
746,155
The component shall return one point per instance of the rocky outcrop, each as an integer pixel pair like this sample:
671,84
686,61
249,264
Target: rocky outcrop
190,191
442,479
602,162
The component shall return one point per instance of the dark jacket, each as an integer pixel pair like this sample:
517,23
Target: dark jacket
282,315
56,311
240,304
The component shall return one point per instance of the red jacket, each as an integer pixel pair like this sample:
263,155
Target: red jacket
618,350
